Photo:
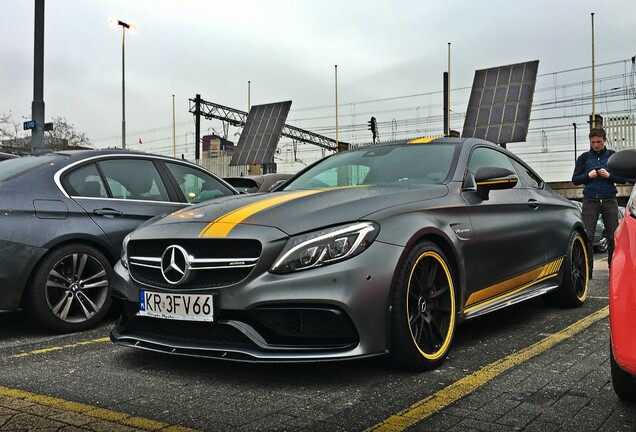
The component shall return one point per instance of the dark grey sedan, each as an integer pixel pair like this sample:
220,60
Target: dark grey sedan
7,156
63,216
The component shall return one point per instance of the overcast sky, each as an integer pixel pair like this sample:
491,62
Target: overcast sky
287,49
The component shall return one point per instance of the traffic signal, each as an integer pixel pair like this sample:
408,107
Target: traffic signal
373,127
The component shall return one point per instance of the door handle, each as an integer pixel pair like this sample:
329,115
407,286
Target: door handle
533,204
108,212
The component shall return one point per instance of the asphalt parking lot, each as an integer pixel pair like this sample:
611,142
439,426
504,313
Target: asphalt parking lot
528,367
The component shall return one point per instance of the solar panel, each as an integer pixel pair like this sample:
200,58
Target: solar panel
261,133
500,103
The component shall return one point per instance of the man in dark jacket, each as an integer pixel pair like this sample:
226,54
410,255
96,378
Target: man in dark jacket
599,193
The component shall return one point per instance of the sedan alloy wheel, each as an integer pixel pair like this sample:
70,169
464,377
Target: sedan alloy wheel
71,288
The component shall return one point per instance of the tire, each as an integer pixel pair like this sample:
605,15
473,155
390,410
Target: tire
575,281
602,245
423,309
70,289
624,384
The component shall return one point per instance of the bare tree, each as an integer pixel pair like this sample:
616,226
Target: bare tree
63,136
10,138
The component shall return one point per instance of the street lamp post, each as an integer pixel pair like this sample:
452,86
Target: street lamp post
131,27
574,124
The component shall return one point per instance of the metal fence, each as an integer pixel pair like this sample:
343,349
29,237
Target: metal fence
620,132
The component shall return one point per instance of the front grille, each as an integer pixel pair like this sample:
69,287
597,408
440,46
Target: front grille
186,331
214,263
200,279
299,328
199,247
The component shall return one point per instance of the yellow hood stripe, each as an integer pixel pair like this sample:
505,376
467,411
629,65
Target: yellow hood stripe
223,225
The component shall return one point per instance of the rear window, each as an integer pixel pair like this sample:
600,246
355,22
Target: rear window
13,167
243,184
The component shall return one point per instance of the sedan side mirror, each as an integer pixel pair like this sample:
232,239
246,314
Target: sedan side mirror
494,178
276,185
623,164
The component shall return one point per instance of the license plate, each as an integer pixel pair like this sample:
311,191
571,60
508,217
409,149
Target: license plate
188,307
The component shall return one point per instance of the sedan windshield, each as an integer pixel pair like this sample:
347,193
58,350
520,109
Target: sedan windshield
390,164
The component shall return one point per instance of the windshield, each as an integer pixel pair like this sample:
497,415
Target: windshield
391,164
12,167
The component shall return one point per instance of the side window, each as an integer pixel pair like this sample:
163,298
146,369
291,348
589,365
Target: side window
486,157
196,185
527,177
86,182
134,179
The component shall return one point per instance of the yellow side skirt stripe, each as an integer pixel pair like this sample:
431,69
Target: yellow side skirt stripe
503,289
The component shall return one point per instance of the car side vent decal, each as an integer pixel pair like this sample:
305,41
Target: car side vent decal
516,284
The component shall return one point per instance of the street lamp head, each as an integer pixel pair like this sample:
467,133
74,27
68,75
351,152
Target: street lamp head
116,22
124,25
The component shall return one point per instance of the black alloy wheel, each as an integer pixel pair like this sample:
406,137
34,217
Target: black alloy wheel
423,319
576,275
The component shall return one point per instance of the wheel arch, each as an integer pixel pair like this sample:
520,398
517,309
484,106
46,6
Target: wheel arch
408,346
445,244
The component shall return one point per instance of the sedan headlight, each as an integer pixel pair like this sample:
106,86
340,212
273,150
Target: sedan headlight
124,251
325,247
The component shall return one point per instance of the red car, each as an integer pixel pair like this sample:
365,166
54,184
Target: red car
622,290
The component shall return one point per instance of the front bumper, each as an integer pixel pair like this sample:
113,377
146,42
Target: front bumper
339,311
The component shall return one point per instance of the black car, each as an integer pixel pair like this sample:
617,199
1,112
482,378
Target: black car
7,156
257,183
63,216
381,249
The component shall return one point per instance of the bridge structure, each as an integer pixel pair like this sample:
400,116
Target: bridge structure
231,116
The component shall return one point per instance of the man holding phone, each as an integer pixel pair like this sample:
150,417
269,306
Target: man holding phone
599,193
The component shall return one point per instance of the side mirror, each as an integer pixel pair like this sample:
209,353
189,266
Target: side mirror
276,185
494,178
623,164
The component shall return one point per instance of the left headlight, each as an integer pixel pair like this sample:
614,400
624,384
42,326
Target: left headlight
325,247
124,251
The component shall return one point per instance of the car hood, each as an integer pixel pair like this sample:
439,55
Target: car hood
291,212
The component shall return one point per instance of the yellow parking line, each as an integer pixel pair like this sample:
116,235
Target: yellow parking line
443,398
58,348
91,411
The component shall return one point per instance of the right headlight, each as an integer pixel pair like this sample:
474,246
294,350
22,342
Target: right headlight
324,247
124,251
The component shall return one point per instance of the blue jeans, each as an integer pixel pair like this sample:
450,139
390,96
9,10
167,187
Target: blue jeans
608,208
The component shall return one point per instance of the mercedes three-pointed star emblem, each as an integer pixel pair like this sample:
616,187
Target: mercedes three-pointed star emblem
175,264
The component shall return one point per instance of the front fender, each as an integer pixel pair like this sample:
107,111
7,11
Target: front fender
622,298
